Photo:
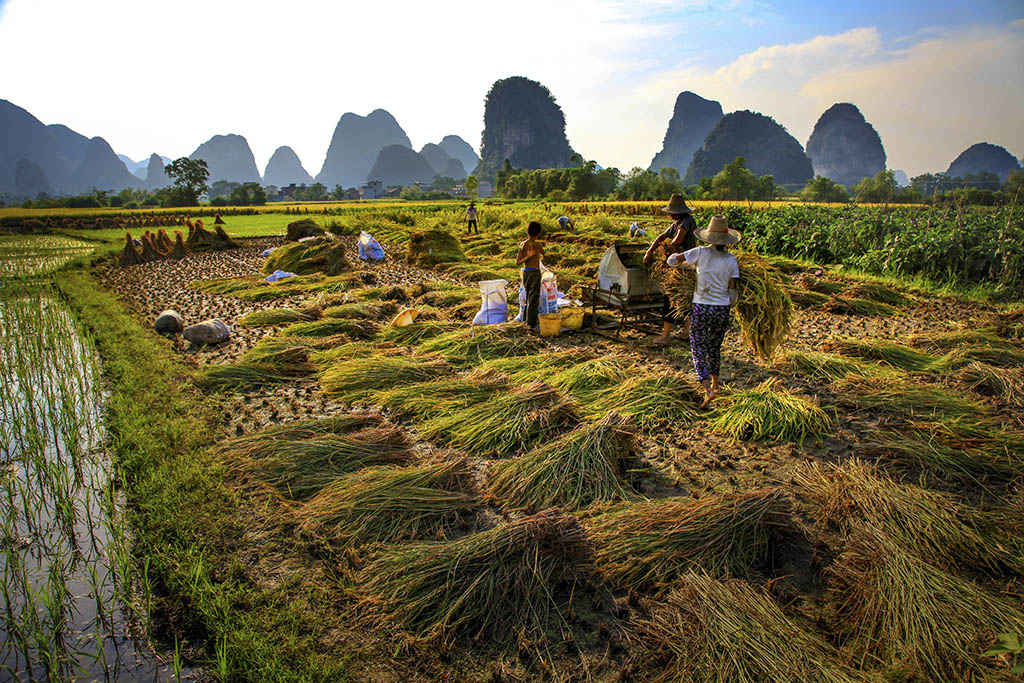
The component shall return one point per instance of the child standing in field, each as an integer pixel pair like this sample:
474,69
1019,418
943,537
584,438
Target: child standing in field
530,252
471,219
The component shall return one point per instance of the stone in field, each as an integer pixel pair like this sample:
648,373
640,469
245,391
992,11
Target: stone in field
169,322
213,331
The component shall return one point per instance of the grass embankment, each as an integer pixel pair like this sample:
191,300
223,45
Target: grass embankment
189,525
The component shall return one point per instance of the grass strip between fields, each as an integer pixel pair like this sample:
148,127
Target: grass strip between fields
187,521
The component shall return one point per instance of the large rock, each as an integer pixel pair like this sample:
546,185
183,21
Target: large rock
435,156
212,331
845,147
228,157
457,148
169,322
692,119
30,179
285,168
766,145
133,166
101,169
398,165
454,169
522,123
155,176
72,144
23,136
356,142
983,158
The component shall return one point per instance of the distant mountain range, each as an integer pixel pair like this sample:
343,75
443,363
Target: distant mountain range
522,123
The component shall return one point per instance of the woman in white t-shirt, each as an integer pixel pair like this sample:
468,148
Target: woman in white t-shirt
717,273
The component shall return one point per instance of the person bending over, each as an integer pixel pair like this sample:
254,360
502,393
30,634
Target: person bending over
678,237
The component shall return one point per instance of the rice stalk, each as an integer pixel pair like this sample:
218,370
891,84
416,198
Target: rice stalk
657,400
266,443
764,308
708,629
880,293
465,347
240,377
896,609
938,342
278,316
356,329
385,504
649,545
927,523
571,472
361,310
1007,384
491,585
804,299
356,378
418,331
507,421
538,366
770,411
903,397
824,367
425,400
889,353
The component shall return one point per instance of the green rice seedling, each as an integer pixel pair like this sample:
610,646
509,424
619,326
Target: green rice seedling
889,353
426,400
927,523
879,293
507,421
764,308
904,397
802,298
825,367
386,504
489,585
300,468
470,346
587,380
362,310
356,378
650,545
727,631
855,306
652,401
278,316
240,377
538,366
579,468
1007,384
356,329
418,331
899,610
770,411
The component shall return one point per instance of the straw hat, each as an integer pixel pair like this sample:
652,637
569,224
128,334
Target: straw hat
718,232
676,204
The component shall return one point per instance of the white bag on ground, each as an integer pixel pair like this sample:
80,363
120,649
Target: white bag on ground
369,248
494,304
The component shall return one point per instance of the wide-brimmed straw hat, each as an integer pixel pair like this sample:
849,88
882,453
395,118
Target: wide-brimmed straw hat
718,232
676,204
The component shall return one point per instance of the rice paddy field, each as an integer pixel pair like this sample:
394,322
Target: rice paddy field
326,496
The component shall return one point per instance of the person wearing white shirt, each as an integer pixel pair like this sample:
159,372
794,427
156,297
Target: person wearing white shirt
713,297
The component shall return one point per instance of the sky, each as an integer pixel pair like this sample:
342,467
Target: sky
933,77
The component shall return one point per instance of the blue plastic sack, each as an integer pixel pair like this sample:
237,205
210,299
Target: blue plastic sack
369,248
278,275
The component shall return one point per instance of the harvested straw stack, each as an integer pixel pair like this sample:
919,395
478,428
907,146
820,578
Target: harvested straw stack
130,256
653,401
928,523
890,353
418,331
650,545
280,316
491,584
586,380
571,472
539,366
384,504
764,308
426,400
693,635
466,347
772,412
893,394
824,367
178,250
327,327
1007,384
266,443
894,607
355,379
506,422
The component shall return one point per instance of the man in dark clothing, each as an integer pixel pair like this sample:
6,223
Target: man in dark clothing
677,238
530,252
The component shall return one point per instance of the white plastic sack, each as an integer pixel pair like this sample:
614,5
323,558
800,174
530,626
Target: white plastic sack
494,304
278,275
369,248
549,295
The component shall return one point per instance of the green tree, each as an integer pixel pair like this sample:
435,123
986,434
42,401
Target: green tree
1014,187
472,184
190,176
881,189
248,194
734,181
823,189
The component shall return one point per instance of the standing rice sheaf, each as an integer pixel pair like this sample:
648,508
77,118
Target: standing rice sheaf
648,545
727,630
493,584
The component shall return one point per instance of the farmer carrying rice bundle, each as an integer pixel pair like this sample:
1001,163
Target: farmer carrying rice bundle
713,297
678,237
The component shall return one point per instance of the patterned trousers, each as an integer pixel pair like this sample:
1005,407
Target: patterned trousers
707,330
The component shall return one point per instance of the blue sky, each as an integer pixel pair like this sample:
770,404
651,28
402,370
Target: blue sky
932,77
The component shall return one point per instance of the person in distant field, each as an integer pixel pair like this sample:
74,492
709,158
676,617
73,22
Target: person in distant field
678,237
471,219
713,298
566,223
530,252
